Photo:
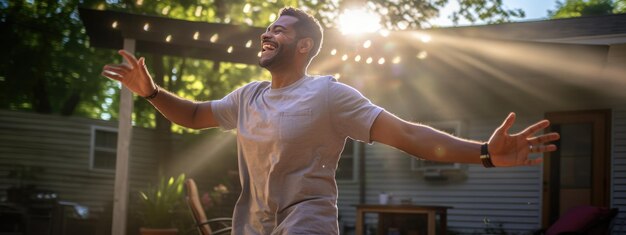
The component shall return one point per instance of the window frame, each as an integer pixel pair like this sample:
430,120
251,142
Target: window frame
93,148
418,164
356,158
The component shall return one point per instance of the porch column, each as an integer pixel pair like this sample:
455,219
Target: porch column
124,133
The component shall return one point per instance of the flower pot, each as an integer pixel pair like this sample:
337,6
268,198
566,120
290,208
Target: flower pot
158,231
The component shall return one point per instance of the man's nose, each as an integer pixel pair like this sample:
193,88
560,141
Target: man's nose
265,36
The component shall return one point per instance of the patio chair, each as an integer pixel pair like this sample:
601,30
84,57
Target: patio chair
583,220
205,226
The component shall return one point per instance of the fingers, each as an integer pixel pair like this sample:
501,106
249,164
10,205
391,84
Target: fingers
542,148
142,67
507,124
119,69
538,140
115,72
113,76
531,130
132,61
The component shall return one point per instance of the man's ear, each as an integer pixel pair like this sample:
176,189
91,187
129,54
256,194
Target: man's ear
305,45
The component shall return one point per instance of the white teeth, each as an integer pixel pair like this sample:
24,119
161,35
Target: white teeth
268,47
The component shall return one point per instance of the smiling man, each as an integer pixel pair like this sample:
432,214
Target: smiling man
291,131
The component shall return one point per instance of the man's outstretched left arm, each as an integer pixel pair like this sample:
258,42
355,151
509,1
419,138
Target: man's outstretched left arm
425,142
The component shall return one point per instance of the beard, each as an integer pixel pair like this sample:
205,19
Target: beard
283,55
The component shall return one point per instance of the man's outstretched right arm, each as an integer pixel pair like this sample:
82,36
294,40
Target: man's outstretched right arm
135,76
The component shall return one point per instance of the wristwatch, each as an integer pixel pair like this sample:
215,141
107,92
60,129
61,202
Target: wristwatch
485,158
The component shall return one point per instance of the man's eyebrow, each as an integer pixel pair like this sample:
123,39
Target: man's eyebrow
276,26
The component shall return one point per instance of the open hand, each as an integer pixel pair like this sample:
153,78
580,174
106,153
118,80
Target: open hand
133,74
513,150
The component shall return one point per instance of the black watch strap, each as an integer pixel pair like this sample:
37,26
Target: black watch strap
485,158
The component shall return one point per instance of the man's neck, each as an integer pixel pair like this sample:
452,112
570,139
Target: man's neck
286,78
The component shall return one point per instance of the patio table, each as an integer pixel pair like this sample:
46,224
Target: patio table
385,212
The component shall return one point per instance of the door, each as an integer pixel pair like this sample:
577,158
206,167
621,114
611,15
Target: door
578,172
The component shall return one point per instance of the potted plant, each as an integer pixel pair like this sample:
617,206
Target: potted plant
160,207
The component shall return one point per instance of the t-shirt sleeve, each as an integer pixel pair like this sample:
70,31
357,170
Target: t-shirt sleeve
351,113
226,110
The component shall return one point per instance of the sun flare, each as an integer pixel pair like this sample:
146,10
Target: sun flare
356,21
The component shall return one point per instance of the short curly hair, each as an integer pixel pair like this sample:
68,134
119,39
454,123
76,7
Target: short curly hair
306,27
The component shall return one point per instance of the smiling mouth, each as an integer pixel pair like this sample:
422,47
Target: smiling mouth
268,46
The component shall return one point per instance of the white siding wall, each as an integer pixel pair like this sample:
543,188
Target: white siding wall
618,173
62,146
616,64
510,196
348,197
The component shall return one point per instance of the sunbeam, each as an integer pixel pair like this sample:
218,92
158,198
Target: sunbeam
194,157
550,74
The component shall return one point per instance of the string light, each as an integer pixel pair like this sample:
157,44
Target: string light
337,76
384,32
248,21
214,38
165,10
198,11
367,44
139,2
425,38
272,17
396,60
422,55
246,8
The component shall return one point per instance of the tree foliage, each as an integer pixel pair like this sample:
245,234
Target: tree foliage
577,8
50,67
47,64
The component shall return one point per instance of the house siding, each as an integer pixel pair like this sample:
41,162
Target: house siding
348,197
61,145
618,168
616,60
507,196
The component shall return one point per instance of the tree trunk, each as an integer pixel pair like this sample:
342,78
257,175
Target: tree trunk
163,126
70,104
41,101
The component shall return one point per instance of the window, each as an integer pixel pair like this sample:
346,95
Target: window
451,127
103,148
347,170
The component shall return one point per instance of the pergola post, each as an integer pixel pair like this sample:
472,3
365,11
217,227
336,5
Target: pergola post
124,133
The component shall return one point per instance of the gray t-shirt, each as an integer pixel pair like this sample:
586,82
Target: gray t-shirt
289,142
